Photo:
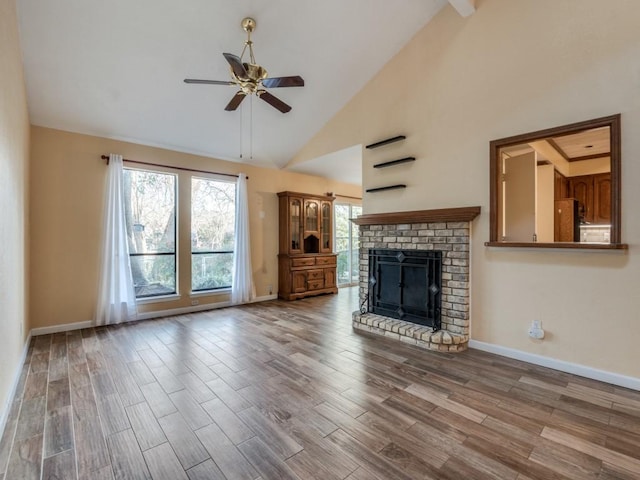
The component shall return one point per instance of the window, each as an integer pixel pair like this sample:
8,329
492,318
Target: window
346,243
212,233
150,212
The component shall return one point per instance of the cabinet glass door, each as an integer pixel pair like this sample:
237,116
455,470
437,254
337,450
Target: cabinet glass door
325,232
311,216
295,211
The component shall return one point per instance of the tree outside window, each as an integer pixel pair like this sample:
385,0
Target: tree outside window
212,233
150,215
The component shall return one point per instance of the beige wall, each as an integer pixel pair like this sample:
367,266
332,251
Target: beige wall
14,163
514,66
67,187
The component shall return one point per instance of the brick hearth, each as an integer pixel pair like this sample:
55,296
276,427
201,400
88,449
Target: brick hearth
449,233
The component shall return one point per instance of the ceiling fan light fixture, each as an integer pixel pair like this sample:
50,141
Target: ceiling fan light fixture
251,78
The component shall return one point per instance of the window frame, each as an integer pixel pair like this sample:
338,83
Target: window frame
164,295
353,233
210,290
495,182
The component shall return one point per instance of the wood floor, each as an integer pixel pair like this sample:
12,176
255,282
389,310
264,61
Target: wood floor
286,390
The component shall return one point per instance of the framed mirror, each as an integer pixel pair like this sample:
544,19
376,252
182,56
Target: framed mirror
557,188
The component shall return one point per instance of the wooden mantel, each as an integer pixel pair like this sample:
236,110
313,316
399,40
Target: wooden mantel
461,214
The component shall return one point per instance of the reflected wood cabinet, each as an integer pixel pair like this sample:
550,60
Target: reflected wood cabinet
306,262
593,193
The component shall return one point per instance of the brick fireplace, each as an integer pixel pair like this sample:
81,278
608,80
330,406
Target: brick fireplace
445,230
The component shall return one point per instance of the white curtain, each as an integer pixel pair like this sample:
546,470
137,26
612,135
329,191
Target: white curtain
242,289
116,297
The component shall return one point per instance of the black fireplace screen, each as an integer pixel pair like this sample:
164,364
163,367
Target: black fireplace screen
407,285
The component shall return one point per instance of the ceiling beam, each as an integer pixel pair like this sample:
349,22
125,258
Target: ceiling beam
546,150
464,7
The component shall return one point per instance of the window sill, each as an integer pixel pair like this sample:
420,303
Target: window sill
158,299
209,293
563,245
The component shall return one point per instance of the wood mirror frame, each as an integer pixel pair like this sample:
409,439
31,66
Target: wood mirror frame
613,122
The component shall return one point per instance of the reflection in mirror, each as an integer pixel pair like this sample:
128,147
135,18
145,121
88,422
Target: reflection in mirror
559,185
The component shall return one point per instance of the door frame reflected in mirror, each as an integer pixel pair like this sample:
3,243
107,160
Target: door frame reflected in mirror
613,122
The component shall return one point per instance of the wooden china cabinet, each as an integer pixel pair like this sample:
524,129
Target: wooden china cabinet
306,262
593,193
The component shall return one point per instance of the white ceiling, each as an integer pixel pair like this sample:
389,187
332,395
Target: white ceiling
116,68
343,165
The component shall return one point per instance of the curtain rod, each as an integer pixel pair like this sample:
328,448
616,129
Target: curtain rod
184,169
347,196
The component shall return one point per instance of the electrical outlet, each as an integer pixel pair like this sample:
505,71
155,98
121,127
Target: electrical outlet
194,303
535,330
270,288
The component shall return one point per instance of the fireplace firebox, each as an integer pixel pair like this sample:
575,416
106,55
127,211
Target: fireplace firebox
407,285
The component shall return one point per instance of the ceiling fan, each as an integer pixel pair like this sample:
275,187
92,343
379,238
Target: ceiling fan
250,77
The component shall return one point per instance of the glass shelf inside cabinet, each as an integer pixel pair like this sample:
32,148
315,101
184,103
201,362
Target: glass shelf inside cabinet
311,216
326,225
295,210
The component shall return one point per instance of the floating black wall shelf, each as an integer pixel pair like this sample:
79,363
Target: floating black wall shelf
395,162
386,142
390,187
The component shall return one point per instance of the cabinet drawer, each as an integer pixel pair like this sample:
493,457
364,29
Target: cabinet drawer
302,262
325,260
315,284
315,274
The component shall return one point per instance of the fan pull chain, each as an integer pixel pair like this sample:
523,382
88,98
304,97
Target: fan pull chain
251,128
240,129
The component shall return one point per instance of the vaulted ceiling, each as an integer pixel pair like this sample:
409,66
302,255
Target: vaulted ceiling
115,69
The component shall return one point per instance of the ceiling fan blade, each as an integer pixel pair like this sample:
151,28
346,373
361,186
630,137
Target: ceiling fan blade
274,101
276,82
236,66
235,101
208,82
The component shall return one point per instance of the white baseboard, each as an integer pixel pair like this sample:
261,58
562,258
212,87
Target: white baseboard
265,298
568,367
197,308
181,311
6,407
65,327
